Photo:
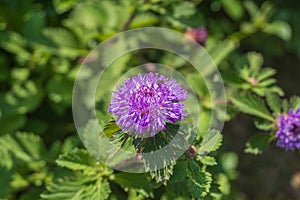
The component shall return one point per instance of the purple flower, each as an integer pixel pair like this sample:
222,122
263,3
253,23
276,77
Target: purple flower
145,102
288,133
198,34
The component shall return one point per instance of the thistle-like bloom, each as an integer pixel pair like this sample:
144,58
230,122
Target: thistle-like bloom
288,133
198,34
144,103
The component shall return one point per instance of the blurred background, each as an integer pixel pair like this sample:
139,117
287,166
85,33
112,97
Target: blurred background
42,44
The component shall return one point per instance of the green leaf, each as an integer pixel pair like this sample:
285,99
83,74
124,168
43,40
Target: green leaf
295,102
5,182
78,159
224,184
144,19
184,9
60,37
10,123
265,73
157,142
20,74
35,21
98,191
198,85
222,50
255,61
62,6
133,180
229,162
70,143
110,128
252,105
263,124
23,97
179,172
15,43
83,188
274,102
211,142
26,147
208,160
199,181
252,8
257,143
61,42
60,90
285,106
233,8
280,29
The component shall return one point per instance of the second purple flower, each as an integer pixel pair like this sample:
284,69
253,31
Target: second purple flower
288,133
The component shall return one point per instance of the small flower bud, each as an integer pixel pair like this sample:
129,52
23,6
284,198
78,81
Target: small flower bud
198,34
191,152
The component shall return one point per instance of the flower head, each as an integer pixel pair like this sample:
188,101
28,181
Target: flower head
288,133
198,34
146,102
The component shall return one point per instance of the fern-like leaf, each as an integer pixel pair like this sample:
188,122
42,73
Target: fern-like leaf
252,105
78,159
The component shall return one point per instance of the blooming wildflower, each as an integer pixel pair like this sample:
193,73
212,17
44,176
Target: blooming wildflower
145,102
198,34
288,133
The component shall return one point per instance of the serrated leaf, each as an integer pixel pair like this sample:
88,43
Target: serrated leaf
81,188
98,191
224,184
211,142
265,73
69,144
155,143
32,144
61,42
26,147
78,159
15,43
60,37
274,102
208,160
268,82
263,124
255,62
257,143
64,189
22,98
179,172
199,181
252,105
133,180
